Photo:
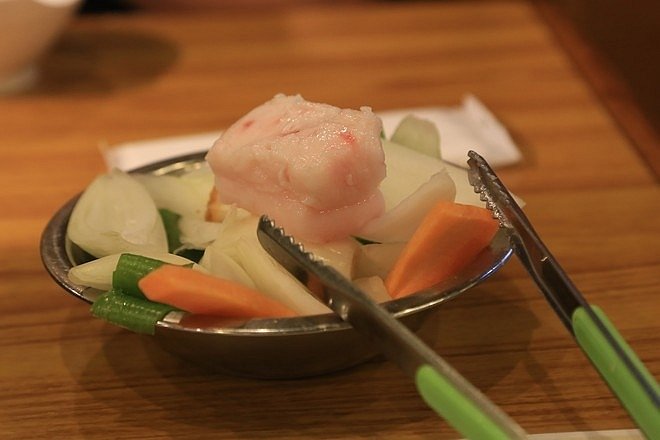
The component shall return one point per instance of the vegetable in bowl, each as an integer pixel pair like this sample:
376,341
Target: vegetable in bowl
193,220
217,240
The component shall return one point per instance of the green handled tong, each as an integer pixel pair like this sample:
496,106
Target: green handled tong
613,358
441,387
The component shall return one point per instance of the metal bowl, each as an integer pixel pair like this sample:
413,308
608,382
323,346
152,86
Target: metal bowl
266,348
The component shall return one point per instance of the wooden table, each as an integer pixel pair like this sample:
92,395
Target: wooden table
154,73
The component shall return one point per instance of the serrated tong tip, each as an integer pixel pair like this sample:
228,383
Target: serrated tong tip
485,183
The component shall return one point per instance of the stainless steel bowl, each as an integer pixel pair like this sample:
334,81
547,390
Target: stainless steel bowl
266,348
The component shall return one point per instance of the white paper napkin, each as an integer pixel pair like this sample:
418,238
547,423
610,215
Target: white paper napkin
136,154
470,126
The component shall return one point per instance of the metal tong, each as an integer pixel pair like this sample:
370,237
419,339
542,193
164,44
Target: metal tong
441,387
621,369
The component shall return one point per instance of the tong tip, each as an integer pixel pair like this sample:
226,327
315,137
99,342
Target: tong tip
485,183
269,227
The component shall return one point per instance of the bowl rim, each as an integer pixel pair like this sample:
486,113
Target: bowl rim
56,255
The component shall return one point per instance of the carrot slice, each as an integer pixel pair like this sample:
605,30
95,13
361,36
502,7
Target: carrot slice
199,293
449,237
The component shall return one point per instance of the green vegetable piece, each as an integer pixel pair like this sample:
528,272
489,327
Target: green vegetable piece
171,223
130,269
135,314
418,134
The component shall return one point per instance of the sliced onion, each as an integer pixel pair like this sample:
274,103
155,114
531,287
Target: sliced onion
238,240
221,263
273,280
115,214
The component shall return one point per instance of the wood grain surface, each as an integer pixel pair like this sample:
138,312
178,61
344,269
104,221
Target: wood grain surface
151,73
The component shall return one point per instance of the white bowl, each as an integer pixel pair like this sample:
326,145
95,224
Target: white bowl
28,28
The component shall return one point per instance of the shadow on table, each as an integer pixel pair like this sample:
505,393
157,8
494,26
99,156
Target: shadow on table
90,61
137,384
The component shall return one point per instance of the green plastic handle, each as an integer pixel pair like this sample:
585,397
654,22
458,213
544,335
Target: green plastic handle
621,380
451,404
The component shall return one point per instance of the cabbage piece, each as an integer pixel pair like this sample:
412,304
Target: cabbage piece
418,134
186,194
414,183
195,233
408,170
399,223
115,214
408,160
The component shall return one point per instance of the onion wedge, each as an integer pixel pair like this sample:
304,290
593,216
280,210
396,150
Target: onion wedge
115,214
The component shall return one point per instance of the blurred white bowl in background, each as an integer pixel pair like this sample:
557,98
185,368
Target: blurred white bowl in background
28,28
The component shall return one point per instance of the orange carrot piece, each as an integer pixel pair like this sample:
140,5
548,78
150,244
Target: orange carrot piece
449,237
199,293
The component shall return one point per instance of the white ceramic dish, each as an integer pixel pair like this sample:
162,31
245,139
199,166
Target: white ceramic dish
29,28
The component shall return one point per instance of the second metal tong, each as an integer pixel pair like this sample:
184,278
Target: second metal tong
627,377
